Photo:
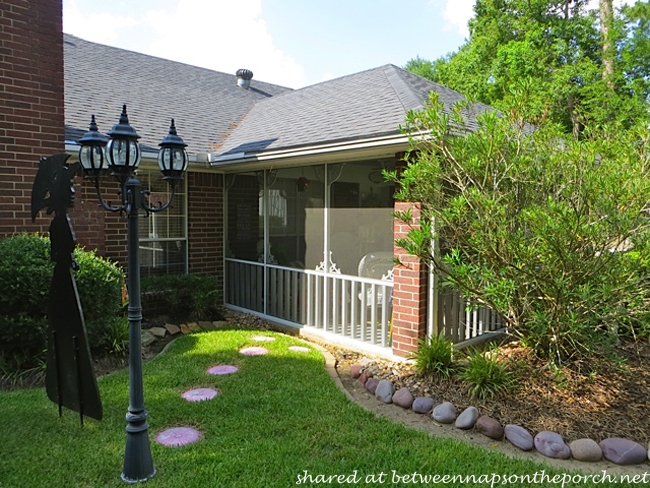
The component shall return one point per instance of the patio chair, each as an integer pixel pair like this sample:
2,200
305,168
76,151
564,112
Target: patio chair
379,266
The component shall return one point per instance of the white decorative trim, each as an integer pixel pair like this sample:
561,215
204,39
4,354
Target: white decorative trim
333,268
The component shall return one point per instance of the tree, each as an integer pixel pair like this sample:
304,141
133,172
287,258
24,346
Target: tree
551,232
578,75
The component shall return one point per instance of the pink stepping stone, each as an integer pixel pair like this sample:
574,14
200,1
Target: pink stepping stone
254,351
178,436
299,349
263,339
223,369
199,394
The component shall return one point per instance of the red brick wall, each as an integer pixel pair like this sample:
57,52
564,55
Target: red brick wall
410,289
205,223
31,104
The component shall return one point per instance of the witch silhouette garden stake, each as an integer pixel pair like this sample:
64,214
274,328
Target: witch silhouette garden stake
70,380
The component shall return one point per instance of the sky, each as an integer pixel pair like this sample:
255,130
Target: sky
293,43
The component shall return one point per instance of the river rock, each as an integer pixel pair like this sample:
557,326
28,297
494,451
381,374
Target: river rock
422,404
623,451
363,377
147,338
371,385
467,418
586,450
158,332
519,437
551,444
489,427
445,413
403,397
384,391
356,370
173,329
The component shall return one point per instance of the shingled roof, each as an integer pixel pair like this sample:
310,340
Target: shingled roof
363,105
214,115
206,104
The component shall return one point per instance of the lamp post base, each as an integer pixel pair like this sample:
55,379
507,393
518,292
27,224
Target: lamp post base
138,463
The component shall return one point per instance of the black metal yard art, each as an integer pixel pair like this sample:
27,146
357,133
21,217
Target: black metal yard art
70,380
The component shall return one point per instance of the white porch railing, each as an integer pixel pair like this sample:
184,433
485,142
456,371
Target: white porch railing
349,306
462,321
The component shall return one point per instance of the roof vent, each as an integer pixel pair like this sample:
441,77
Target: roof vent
244,77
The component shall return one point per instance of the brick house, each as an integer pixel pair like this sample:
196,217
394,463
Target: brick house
284,198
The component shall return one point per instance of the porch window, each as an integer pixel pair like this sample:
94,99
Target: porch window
163,236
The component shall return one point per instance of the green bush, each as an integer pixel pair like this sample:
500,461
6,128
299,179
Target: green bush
25,278
185,295
549,231
485,376
434,356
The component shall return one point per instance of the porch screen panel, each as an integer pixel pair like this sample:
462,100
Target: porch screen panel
245,224
361,214
295,215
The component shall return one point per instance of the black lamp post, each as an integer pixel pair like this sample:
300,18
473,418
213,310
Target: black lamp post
120,153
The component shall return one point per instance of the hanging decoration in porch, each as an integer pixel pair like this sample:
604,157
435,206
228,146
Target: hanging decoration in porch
334,172
266,176
69,379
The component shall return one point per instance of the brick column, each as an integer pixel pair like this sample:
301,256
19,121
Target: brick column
410,289
31,104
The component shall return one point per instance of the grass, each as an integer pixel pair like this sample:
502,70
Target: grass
279,416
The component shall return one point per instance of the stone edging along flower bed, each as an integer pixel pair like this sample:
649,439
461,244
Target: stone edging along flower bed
620,451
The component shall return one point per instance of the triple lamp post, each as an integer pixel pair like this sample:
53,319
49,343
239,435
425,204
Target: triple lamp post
119,153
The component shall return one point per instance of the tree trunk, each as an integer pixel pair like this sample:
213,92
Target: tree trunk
606,30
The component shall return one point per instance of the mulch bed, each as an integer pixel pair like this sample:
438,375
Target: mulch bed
599,398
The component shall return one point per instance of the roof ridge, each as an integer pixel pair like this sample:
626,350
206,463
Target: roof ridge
408,95
70,38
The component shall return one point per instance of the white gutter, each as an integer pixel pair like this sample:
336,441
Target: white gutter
320,152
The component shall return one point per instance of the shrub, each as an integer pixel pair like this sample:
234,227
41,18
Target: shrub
185,295
25,278
434,356
485,376
116,335
549,231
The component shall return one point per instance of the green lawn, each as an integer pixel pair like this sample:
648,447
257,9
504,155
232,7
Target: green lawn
277,418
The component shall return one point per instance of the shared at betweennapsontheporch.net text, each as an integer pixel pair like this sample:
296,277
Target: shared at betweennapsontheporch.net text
394,477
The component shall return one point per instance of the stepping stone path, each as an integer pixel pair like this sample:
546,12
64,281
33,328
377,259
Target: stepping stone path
178,436
199,394
254,351
263,339
299,349
223,369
